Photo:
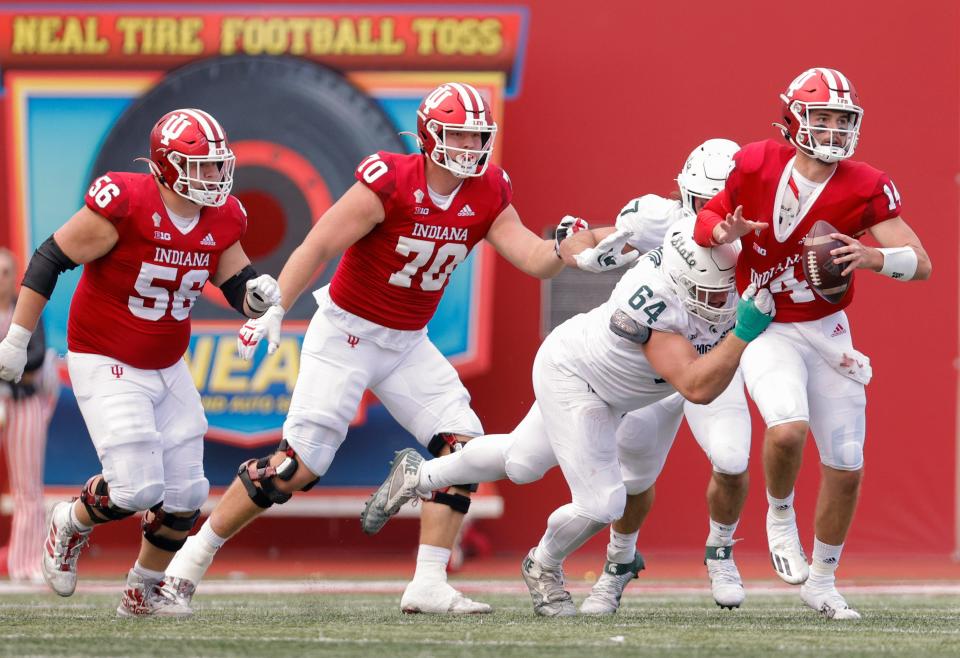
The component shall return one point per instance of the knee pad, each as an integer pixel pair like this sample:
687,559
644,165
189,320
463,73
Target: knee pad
520,473
156,517
456,502
847,456
603,507
95,497
187,496
730,462
260,471
435,447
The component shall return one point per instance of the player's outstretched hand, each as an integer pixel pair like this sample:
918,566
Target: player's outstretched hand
608,254
13,353
755,312
567,227
251,333
735,226
262,293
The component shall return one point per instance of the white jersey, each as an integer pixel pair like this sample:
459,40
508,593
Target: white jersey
615,367
649,216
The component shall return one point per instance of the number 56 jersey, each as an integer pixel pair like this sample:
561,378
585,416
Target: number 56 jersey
395,275
133,303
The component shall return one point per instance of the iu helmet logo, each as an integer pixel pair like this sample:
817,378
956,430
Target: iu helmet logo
173,128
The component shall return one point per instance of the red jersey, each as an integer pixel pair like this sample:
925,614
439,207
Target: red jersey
855,198
395,275
133,304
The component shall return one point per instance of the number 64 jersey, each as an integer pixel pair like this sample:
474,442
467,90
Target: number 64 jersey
133,304
616,368
395,275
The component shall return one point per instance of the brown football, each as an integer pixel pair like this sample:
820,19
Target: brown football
818,266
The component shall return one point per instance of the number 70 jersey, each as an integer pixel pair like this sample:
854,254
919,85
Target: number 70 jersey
395,275
133,303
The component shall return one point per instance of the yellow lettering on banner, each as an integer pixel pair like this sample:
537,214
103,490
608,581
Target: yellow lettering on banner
314,36
424,28
229,370
53,35
390,45
198,362
163,35
214,404
298,35
230,31
279,368
321,36
458,36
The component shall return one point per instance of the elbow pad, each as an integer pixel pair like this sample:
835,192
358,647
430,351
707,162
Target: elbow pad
45,267
234,289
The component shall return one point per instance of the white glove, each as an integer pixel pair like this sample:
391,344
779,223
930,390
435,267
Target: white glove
262,293
567,227
608,254
13,353
762,299
251,333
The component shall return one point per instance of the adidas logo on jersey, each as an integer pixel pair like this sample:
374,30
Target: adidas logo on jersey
208,241
838,331
466,211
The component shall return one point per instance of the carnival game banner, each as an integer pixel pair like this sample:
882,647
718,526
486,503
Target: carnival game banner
305,93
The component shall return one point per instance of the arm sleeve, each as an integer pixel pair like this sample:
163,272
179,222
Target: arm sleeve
36,349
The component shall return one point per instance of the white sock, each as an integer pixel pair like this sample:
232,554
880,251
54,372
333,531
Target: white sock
622,547
826,559
432,563
81,527
209,537
481,460
721,534
566,532
781,508
147,574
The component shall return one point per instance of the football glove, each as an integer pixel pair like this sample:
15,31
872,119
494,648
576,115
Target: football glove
567,227
253,331
608,254
262,293
755,312
13,353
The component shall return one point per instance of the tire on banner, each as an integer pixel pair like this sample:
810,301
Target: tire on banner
297,105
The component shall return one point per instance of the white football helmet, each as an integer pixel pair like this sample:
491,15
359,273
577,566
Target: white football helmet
706,171
703,277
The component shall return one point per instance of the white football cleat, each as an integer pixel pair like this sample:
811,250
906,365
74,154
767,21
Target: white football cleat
399,487
62,550
187,568
550,599
605,596
179,589
827,601
439,598
725,579
786,552
147,598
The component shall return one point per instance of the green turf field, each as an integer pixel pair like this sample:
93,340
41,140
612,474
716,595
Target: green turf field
276,625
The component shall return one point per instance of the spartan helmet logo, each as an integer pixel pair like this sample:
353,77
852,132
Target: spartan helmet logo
173,128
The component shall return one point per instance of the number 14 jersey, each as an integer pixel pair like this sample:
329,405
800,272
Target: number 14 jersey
133,303
395,275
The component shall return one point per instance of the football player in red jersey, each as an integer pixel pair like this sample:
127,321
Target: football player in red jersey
804,373
148,243
402,229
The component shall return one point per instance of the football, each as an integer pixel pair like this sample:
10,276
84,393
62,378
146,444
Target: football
818,266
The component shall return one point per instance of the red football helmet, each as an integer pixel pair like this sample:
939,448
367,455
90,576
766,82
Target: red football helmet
822,89
456,106
181,143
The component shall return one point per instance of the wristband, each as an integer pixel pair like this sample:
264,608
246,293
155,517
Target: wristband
899,263
18,336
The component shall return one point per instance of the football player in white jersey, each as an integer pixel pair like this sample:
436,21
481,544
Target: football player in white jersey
634,350
721,428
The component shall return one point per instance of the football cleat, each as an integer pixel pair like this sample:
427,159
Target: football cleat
786,553
62,550
827,601
399,487
605,596
148,598
725,582
179,589
550,599
439,598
